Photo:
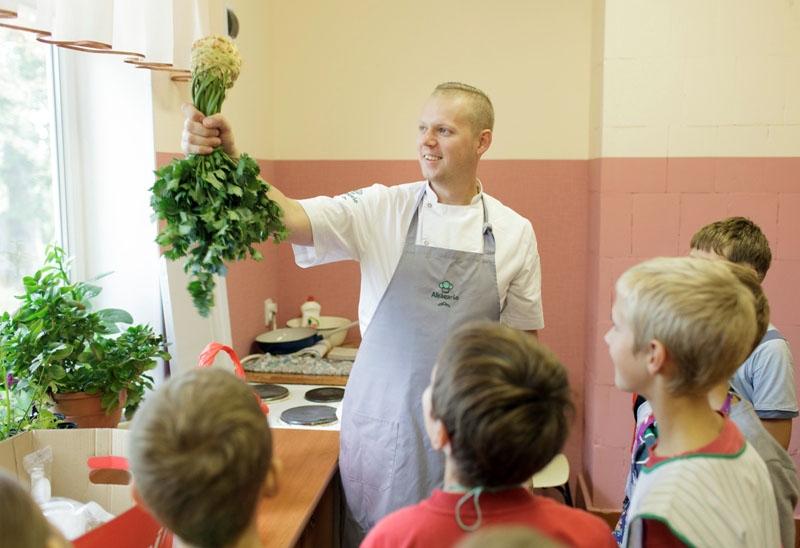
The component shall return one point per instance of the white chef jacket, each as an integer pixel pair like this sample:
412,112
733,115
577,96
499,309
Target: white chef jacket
370,225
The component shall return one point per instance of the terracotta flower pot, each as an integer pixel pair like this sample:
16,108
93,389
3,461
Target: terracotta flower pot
86,410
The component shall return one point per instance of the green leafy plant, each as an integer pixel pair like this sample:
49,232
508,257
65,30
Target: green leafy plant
215,207
55,342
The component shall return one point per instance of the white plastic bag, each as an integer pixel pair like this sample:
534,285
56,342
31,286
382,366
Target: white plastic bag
72,518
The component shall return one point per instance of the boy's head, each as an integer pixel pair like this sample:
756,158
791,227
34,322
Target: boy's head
200,451
22,523
737,239
688,319
501,400
748,277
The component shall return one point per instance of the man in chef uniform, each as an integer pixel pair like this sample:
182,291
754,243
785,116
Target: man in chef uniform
434,254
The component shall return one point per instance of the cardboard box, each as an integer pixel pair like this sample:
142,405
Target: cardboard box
69,477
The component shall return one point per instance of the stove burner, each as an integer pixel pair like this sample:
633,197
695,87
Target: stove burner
270,392
325,395
309,415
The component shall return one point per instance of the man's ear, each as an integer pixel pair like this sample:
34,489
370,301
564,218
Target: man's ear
484,141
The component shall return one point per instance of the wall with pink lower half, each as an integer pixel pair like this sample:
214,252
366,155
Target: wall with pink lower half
645,207
593,219
551,193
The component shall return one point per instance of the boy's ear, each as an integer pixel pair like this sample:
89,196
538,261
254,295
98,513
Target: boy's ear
137,496
270,487
656,357
440,439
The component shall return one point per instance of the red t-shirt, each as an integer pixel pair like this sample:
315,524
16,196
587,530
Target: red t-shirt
432,522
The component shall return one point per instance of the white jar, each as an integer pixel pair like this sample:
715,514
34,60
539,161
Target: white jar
311,311
40,486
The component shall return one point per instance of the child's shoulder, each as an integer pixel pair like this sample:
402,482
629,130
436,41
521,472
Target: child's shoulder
577,527
407,526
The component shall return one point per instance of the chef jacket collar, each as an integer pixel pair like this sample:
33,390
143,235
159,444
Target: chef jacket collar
431,195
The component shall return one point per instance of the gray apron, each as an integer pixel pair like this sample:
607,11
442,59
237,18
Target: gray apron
385,458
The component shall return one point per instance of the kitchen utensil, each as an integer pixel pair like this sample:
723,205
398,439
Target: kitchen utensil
326,325
286,340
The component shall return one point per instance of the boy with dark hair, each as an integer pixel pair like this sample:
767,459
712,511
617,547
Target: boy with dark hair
681,326
498,407
766,378
201,458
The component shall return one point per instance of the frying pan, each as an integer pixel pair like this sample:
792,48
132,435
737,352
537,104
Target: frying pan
286,340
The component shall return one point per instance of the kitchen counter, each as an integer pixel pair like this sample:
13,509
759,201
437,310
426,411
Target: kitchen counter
304,512
295,378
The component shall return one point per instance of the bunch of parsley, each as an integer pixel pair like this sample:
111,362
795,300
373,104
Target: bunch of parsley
215,207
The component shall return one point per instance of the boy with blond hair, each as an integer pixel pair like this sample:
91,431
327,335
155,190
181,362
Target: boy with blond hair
681,327
498,407
766,378
201,458
22,524
783,474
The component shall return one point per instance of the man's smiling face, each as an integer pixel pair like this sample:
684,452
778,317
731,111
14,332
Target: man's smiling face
447,144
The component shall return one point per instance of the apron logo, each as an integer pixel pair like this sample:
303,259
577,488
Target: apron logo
445,287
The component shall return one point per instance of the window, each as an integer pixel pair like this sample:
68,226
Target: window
29,196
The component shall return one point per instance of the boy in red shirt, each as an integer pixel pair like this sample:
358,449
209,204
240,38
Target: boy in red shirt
497,407
681,327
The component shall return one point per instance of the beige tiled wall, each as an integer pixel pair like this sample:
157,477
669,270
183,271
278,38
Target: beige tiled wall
346,80
709,78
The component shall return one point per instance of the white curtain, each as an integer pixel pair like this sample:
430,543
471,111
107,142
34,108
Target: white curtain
154,34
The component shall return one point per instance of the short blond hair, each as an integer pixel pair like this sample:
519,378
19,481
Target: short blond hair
697,309
481,112
200,450
22,523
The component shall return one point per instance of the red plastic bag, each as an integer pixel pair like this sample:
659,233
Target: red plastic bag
207,360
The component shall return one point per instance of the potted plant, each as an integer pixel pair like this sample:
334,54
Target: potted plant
55,346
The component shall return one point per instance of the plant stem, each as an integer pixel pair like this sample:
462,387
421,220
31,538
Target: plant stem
39,392
9,417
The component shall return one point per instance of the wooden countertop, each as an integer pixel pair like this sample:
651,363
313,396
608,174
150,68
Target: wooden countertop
308,460
294,378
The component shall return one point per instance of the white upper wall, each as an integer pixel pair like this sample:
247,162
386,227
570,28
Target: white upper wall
709,78
346,80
